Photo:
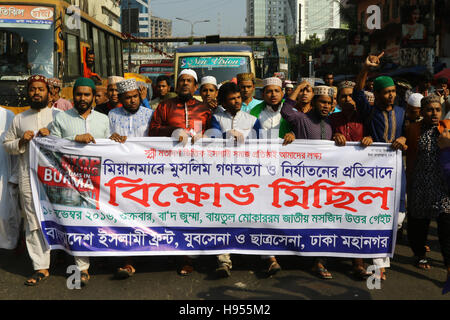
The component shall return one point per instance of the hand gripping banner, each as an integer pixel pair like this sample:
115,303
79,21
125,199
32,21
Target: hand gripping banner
153,196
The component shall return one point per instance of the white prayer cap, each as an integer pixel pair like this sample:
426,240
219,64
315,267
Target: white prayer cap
114,80
209,80
309,80
274,81
414,100
369,96
127,86
323,91
189,72
289,85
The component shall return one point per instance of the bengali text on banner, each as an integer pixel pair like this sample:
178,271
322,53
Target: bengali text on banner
152,196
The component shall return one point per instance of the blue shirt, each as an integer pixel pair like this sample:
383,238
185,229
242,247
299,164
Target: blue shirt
251,105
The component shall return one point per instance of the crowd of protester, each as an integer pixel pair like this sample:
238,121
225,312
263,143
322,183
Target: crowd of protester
415,121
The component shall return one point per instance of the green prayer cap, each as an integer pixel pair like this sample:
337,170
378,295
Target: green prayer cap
84,82
382,82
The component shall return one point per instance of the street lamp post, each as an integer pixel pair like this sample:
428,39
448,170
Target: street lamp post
192,24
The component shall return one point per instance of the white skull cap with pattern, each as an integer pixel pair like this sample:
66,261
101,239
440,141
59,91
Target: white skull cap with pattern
323,91
309,80
414,100
209,80
114,80
369,96
346,84
127,86
189,72
274,81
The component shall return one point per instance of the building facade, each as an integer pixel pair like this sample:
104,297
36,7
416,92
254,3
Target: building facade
296,18
317,16
105,11
394,35
271,18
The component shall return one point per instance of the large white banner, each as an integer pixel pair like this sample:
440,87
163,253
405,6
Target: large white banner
152,196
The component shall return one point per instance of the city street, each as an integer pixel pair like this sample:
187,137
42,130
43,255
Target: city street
156,279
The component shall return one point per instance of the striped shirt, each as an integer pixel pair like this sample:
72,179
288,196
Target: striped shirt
70,123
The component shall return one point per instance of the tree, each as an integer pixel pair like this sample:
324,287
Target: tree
299,54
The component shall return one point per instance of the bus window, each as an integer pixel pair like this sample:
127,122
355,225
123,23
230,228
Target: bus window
26,50
112,55
73,56
96,45
103,55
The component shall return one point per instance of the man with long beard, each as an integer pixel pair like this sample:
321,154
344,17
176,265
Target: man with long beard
83,124
133,119
25,126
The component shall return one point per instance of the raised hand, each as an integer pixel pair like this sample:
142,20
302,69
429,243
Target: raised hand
373,61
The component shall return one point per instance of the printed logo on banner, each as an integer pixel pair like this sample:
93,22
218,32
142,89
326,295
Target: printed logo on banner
71,180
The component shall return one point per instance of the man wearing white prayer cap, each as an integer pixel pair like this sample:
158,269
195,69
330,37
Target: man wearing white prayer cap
273,126
182,116
113,96
413,108
209,92
189,72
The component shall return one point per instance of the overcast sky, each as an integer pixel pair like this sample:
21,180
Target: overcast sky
231,12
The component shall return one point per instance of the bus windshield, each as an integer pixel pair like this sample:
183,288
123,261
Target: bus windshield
26,50
223,68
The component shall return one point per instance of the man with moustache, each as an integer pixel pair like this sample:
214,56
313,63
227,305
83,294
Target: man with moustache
182,116
83,124
25,126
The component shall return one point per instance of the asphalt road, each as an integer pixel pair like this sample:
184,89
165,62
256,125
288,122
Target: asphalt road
156,279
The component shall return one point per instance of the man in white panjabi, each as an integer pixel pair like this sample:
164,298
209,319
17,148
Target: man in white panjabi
9,214
25,126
